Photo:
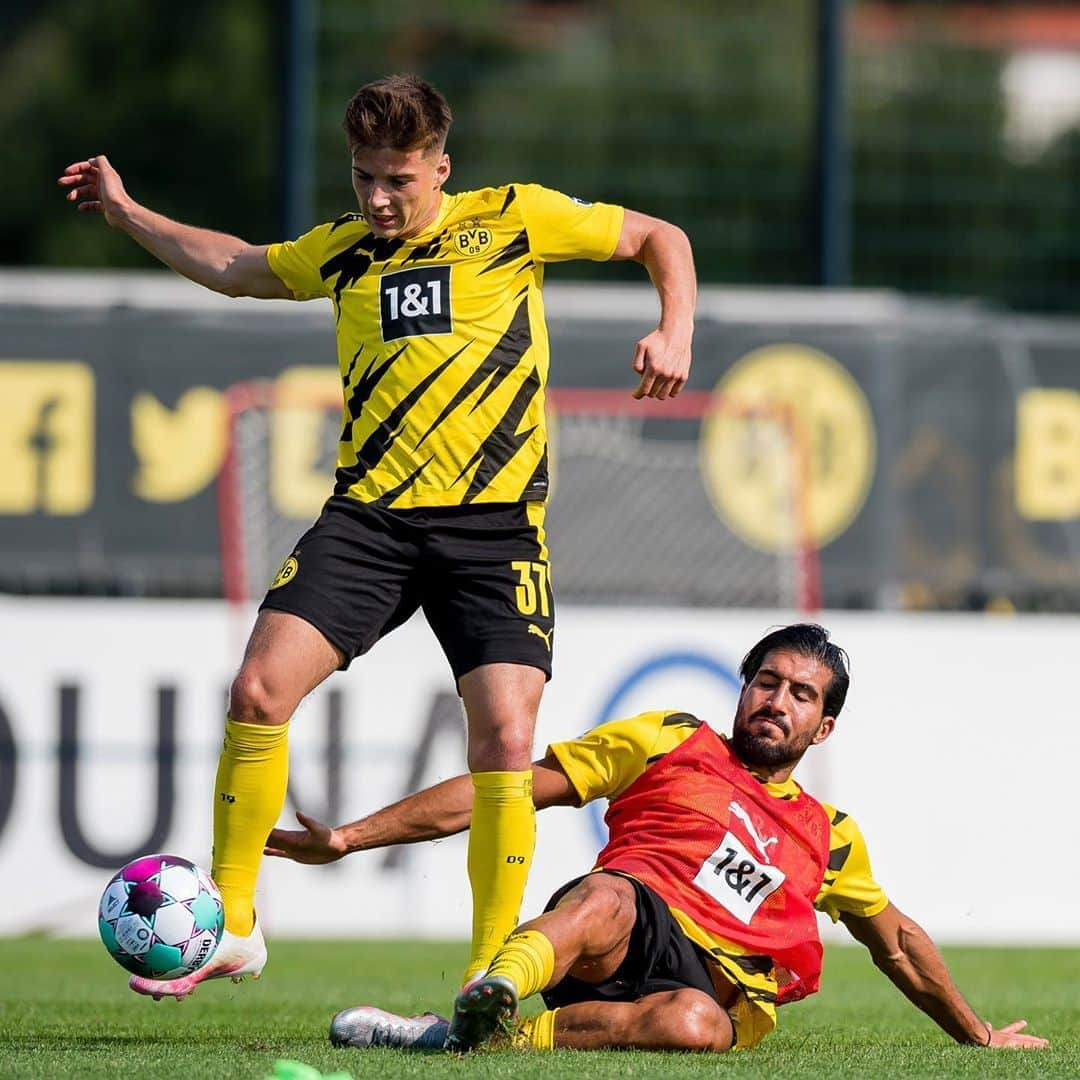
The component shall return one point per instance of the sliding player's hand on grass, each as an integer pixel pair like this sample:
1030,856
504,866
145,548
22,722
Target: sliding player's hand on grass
94,185
1011,1037
315,844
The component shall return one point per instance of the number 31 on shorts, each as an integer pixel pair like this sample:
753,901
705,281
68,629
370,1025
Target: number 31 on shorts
533,590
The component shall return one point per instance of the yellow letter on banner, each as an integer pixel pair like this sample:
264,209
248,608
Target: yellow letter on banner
1048,455
46,437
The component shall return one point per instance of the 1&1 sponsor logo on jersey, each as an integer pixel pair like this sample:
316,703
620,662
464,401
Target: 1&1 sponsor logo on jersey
415,303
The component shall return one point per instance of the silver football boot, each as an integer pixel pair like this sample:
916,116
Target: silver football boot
364,1026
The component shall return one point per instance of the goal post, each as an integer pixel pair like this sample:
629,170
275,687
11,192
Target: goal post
640,508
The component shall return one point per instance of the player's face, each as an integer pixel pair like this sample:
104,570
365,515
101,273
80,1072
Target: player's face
781,711
398,190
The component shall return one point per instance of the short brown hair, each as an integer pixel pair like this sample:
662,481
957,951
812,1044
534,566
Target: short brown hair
400,112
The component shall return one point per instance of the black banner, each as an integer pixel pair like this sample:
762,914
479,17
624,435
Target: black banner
933,451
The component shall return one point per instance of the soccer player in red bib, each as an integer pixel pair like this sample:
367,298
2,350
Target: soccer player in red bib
442,468
698,919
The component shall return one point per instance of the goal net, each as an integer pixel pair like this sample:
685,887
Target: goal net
692,501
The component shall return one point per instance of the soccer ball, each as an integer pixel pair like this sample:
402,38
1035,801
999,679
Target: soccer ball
161,916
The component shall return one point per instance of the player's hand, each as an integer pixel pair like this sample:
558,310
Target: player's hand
1011,1037
663,362
94,185
315,844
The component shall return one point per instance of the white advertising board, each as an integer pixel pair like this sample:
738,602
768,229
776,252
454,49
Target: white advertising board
954,754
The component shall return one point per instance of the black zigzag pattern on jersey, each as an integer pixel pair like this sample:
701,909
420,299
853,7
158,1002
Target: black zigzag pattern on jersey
382,438
752,963
345,218
517,247
537,484
839,856
511,195
388,497
354,262
680,719
355,401
838,817
352,367
427,251
503,442
495,367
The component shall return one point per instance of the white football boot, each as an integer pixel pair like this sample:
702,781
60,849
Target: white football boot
237,958
364,1026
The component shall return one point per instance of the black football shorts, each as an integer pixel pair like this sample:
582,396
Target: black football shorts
659,957
480,574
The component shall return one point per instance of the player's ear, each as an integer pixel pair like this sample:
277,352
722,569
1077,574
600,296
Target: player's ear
828,724
442,170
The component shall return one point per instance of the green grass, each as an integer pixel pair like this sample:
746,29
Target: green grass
65,1011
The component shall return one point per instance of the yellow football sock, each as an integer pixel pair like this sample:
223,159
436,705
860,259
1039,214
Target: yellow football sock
249,792
527,959
536,1032
501,842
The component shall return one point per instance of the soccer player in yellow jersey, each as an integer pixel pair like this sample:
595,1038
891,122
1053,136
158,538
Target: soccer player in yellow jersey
442,467
698,918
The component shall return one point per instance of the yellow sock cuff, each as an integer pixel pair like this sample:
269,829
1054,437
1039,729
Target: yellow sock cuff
528,960
536,1032
496,786
253,740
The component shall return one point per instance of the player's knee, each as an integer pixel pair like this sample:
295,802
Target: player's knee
603,906
609,901
692,1021
251,700
507,748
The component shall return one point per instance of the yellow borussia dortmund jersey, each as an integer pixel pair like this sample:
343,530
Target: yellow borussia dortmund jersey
442,343
605,761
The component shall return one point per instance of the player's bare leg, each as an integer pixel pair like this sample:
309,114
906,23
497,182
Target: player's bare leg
286,658
672,1020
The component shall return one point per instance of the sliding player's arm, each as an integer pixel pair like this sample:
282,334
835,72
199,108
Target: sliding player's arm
431,814
662,358
906,954
219,261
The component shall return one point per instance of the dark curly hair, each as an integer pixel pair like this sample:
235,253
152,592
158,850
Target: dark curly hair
807,639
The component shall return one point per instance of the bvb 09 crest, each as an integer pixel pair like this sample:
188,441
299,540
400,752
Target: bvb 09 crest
472,239
788,449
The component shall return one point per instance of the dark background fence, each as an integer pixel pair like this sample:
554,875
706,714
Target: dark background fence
945,134
941,444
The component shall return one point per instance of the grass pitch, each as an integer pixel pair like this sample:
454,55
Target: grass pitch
65,1011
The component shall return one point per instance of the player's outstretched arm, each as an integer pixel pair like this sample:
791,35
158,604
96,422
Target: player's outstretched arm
662,358
435,812
905,952
221,262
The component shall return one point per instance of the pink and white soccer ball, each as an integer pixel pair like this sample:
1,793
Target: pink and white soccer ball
161,916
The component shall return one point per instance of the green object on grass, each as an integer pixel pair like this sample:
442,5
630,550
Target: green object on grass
285,1069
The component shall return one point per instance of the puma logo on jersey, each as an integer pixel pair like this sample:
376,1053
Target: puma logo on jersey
534,629
762,844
